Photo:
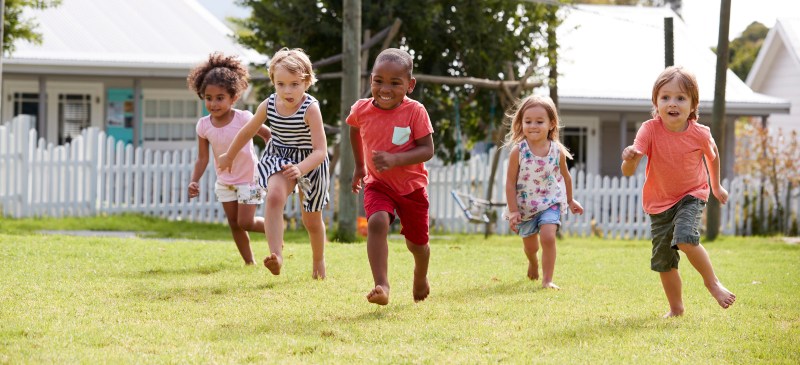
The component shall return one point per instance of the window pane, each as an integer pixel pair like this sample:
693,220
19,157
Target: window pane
191,108
149,132
177,108
150,110
163,109
189,131
163,131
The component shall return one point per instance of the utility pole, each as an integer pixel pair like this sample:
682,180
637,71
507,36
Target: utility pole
351,90
669,43
718,113
2,34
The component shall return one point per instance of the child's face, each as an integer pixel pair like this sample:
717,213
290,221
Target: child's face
390,83
289,86
218,101
673,104
536,124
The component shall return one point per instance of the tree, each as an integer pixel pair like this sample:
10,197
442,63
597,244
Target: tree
744,49
491,39
15,27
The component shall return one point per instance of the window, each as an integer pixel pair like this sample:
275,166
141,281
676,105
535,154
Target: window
575,139
28,104
74,114
170,119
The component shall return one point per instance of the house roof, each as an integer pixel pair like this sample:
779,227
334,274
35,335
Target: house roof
610,57
124,38
784,35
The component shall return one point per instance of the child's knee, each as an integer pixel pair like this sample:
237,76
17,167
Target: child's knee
379,222
313,222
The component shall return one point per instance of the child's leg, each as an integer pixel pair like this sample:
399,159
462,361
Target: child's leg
240,236
315,227
378,254
698,256
547,235
671,281
247,218
278,191
422,256
531,247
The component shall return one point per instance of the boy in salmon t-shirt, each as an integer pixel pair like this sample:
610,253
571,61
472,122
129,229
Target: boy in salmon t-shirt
394,133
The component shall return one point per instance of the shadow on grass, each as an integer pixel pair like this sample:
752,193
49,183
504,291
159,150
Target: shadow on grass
196,270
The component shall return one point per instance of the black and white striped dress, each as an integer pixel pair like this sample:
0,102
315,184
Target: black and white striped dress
291,143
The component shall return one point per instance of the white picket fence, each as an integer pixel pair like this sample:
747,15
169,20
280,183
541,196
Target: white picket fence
95,175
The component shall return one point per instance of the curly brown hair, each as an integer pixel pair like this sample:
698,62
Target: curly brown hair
220,70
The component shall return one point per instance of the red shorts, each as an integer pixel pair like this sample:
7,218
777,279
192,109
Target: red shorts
412,209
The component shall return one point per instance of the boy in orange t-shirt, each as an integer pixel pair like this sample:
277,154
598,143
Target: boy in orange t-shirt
395,134
676,183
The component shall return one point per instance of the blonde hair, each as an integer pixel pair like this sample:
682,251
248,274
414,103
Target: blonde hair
295,61
687,82
515,134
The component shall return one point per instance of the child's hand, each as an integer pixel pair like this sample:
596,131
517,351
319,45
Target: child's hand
383,160
194,189
358,177
721,194
575,207
291,171
224,162
630,152
514,219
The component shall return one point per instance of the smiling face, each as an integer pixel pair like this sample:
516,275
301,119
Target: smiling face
290,87
390,82
673,105
218,101
536,124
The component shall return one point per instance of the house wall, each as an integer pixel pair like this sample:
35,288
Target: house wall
782,80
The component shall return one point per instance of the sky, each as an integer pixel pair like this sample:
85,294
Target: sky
701,16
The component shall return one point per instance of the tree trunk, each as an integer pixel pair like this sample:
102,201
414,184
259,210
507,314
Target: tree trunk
718,117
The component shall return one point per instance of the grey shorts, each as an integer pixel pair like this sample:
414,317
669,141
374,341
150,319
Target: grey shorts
678,224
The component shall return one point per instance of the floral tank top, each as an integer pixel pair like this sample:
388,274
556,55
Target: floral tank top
539,182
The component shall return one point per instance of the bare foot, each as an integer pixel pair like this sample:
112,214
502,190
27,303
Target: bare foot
273,263
723,296
551,285
421,289
671,314
319,270
533,270
379,295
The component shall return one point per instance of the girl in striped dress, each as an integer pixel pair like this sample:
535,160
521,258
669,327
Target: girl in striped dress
297,155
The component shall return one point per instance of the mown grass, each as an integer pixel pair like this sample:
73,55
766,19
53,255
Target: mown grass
67,299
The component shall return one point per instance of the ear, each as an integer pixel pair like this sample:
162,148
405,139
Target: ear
411,83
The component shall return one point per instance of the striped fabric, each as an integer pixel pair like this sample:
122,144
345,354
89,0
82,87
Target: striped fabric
290,144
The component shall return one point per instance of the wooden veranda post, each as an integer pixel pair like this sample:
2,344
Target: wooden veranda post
351,85
718,114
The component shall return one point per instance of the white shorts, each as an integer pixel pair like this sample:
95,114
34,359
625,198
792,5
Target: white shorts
250,193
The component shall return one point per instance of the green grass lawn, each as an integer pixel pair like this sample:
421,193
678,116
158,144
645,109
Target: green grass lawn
67,299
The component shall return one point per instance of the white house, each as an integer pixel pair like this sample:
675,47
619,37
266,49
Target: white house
776,71
609,59
118,65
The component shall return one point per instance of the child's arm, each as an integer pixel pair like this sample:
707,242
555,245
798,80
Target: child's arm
319,146
225,160
265,133
199,167
423,151
573,204
513,217
358,155
713,174
630,160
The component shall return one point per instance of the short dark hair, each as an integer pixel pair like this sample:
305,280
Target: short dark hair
397,56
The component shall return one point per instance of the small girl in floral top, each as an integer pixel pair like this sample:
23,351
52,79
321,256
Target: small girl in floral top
538,184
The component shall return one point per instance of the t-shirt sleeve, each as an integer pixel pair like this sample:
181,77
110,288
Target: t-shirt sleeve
643,141
201,128
709,147
352,118
421,123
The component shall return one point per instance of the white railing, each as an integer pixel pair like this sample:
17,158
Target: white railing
96,175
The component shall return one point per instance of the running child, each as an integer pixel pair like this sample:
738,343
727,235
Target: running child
219,82
538,182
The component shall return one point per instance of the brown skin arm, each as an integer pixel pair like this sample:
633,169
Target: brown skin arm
360,170
423,151
199,167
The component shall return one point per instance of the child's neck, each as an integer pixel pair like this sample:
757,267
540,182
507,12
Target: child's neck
539,147
224,120
676,126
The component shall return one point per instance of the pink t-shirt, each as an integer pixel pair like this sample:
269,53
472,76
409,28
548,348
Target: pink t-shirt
244,163
392,131
675,165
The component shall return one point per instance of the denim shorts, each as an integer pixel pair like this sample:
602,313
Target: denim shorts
550,215
678,224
